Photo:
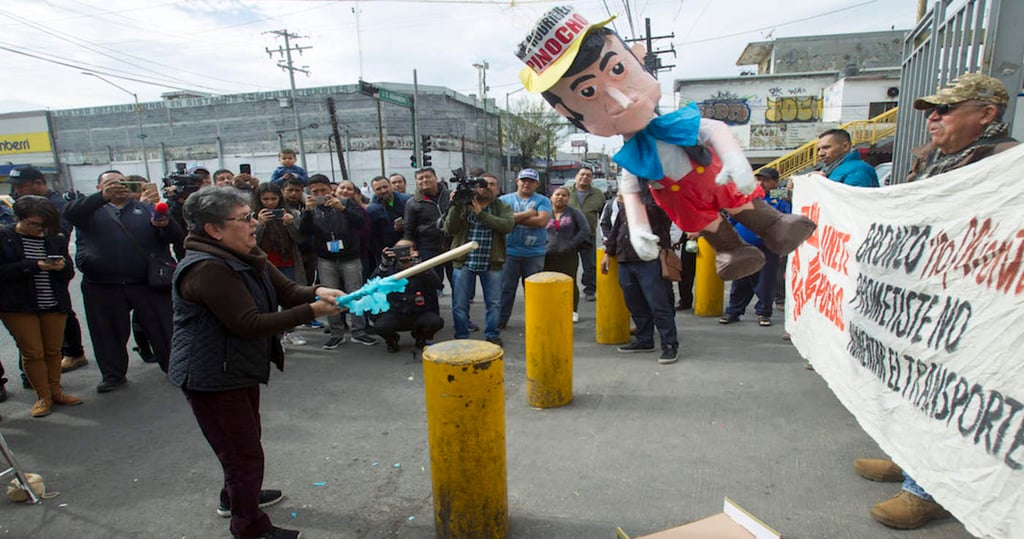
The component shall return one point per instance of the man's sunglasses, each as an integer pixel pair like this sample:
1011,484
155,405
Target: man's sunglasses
946,108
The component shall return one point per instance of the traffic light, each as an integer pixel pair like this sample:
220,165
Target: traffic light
426,150
412,160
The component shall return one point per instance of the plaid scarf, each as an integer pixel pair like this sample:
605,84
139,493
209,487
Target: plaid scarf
939,162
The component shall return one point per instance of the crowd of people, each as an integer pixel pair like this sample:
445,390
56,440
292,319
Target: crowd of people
256,260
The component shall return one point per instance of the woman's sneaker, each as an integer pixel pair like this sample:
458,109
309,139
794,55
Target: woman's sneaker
278,533
333,343
267,498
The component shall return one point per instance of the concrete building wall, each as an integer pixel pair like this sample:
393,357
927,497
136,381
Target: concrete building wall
835,52
851,98
225,131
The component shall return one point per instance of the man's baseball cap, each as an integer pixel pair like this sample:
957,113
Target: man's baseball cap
966,87
768,172
551,46
25,175
528,174
194,167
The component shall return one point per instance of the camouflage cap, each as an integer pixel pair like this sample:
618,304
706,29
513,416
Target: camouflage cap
966,87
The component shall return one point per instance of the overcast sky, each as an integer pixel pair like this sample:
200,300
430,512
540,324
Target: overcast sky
219,46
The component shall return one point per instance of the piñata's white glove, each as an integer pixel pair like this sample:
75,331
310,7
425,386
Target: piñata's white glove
735,167
644,242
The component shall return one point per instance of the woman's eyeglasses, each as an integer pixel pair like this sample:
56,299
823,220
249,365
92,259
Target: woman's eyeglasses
245,218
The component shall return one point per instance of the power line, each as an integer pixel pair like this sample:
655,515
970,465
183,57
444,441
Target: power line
107,73
89,46
773,25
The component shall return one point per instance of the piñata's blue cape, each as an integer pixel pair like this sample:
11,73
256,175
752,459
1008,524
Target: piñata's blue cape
639,154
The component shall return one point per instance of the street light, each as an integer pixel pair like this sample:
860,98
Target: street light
509,113
138,118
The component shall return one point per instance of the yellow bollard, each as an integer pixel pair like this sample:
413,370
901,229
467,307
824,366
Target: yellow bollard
465,401
708,288
548,339
612,325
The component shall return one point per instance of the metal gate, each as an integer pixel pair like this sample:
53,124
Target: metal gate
971,36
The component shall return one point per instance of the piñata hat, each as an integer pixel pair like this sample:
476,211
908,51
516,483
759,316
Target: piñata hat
551,46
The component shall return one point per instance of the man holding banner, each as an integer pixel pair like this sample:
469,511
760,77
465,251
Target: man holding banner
965,125
904,314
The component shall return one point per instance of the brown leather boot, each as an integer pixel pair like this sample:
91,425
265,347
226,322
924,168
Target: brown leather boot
734,258
57,395
60,397
42,408
906,511
882,470
38,378
781,232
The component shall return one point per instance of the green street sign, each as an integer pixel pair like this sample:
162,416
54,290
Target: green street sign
395,98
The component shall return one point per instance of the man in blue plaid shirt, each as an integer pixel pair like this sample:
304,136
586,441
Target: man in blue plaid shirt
485,220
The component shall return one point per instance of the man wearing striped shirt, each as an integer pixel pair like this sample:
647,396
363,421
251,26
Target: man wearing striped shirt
485,220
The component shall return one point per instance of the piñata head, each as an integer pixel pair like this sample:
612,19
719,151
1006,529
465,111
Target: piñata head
588,74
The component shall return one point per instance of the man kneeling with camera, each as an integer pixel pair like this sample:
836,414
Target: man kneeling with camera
415,309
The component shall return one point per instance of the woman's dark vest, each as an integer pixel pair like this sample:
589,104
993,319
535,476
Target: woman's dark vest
205,356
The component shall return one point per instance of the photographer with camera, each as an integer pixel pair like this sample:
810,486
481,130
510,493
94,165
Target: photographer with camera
178,187
482,218
335,225
413,309
116,237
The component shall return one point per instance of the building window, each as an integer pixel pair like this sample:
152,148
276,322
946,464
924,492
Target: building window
878,107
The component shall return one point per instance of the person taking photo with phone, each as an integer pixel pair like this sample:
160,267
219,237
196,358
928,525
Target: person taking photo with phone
31,181
277,234
116,236
35,269
335,224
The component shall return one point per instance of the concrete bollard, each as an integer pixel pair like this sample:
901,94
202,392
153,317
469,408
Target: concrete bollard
708,288
465,401
612,324
548,339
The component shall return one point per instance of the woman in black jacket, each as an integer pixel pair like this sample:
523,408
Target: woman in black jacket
34,273
226,336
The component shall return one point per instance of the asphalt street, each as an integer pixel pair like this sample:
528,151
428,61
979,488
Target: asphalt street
642,446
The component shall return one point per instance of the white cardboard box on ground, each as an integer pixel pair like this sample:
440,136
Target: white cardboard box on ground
732,523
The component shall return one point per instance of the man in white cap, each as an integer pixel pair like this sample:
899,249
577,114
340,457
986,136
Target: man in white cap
528,241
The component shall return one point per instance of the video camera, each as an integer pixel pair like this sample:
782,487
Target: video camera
465,188
184,184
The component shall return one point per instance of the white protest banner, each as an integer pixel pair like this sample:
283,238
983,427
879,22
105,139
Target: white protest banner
909,301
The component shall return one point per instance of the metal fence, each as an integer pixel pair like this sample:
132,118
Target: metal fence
955,37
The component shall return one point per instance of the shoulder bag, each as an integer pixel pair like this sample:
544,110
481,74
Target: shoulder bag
671,265
159,266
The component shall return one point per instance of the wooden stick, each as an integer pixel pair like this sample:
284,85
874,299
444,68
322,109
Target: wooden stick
436,261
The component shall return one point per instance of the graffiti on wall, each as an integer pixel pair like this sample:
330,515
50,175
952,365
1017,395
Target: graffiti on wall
789,109
785,136
726,107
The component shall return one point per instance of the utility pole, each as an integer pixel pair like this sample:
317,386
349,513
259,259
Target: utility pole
482,81
287,65
333,111
651,60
